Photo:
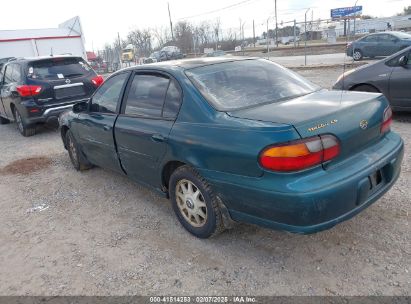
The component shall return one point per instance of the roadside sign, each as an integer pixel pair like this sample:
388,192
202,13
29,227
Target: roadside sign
346,12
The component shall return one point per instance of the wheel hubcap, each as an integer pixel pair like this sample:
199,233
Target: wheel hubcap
190,202
357,55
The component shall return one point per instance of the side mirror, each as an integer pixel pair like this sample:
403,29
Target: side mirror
80,107
403,60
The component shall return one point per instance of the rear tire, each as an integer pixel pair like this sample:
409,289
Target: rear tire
4,121
357,55
194,203
366,88
74,153
23,128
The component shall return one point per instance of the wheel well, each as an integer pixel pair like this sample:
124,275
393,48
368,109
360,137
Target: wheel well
168,169
63,131
365,85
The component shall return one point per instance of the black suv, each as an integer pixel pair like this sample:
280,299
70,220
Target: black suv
37,90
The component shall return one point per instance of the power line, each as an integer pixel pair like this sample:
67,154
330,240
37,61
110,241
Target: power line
218,10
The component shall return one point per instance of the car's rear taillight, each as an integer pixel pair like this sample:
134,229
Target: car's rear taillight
386,120
98,80
300,154
28,90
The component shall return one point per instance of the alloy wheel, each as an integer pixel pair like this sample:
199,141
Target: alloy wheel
357,55
19,122
191,204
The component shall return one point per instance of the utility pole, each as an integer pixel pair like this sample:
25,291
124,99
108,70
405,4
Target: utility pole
295,29
305,38
354,31
171,23
119,50
241,31
253,34
266,37
276,23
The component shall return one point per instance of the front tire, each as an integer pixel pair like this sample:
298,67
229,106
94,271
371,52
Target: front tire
194,203
23,128
74,153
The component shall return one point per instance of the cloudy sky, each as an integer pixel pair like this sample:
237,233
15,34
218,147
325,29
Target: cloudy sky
101,20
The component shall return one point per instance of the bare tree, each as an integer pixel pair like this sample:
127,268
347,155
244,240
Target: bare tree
142,40
216,31
183,36
162,36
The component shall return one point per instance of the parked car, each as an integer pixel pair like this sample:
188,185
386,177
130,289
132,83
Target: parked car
37,90
390,76
215,54
156,57
239,139
172,52
378,44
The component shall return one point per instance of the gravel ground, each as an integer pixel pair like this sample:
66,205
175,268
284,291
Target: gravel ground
97,233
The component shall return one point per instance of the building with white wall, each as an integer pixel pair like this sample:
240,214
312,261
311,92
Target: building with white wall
67,38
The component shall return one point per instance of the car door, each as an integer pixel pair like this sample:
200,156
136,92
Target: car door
370,46
387,44
400,83
144,124
94,128
9,94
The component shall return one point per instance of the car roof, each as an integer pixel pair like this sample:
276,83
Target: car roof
187,64
31,59
382,33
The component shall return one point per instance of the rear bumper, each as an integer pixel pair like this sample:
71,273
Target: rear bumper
44,113
314,200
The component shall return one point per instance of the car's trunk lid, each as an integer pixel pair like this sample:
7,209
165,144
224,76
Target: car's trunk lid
354,117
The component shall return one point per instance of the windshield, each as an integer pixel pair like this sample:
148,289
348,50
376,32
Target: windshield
58,68
246,83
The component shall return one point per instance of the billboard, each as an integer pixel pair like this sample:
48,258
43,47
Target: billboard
346,12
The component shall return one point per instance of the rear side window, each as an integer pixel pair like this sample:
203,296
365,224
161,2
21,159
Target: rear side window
172,102
146,95
372,38
16,76
58,68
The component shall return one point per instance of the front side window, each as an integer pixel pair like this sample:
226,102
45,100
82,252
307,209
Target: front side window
246,83
107,97
146,95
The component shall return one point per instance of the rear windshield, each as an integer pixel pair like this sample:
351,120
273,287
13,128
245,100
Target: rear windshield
403,35
240,84
58,68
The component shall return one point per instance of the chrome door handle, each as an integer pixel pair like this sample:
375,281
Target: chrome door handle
106,128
